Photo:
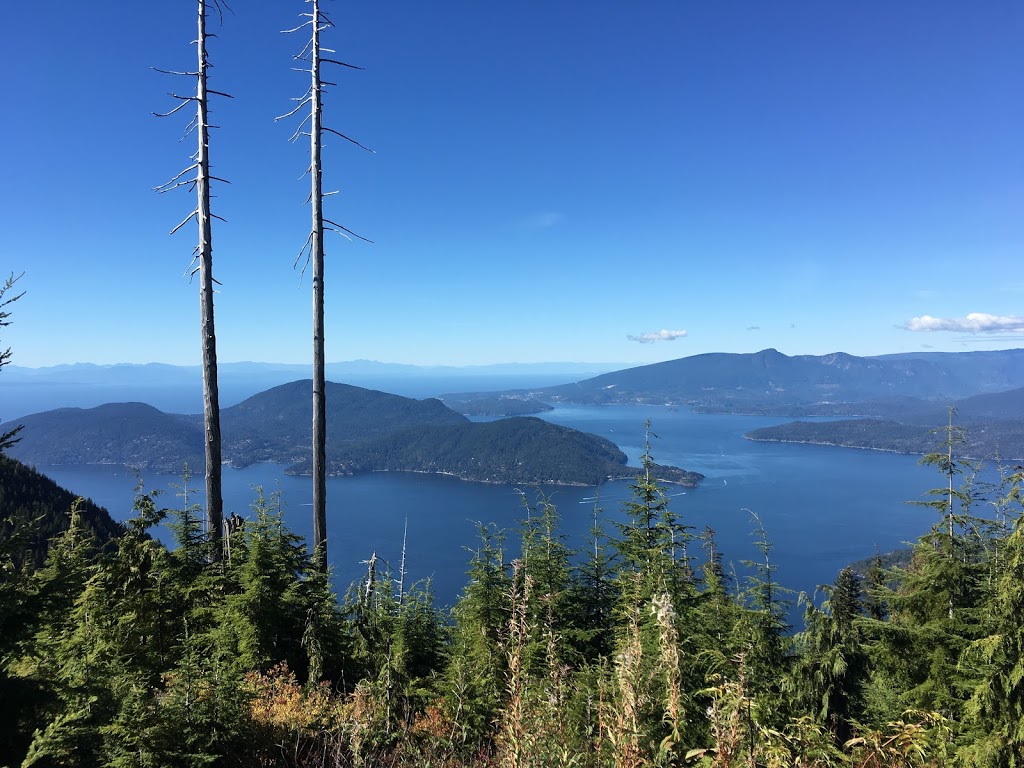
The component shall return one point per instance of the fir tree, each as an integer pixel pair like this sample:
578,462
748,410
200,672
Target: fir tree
831,667
997,704
474,682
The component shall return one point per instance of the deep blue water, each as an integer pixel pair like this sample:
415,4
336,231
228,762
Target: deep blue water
822,507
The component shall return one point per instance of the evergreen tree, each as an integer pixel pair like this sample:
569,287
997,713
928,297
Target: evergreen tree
545,559
655,672
265,618
938,607
997,704
760,634
716,612
874,590
592,598
102,654
8,438
474,685
831,666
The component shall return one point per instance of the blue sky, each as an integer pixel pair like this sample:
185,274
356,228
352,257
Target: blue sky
551,181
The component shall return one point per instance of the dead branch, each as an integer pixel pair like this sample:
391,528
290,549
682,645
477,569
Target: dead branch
305,245
338,232
172,72
298,106
185,221
309,17
340,63
168,183
346,229
168,114
346,138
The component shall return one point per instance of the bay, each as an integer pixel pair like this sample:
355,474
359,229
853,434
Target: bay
821,507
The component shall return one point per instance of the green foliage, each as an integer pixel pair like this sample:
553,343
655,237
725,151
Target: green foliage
8,437
592,596
634,652
474,681
997,703
34,511
760,633
831,666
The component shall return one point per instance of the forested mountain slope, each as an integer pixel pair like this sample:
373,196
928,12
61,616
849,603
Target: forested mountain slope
34,509
367,431
769,381
994,422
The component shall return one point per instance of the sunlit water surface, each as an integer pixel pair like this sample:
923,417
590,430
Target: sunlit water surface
822,507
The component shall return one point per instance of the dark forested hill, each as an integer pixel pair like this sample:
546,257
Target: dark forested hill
994,425
513,450
33,506
276,425
133,434
367,431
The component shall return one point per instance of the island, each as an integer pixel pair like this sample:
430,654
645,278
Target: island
982,440
368,431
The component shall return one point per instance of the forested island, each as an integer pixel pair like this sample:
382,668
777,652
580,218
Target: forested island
999,438
993,423
370,431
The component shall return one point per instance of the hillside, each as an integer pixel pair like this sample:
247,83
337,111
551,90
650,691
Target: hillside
275,425
994,424
36,509
133,434
769,381
367,431
513,450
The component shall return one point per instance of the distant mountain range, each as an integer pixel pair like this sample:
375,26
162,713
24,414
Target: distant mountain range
905,396
178,389
159,373
768,380
902,396
367,431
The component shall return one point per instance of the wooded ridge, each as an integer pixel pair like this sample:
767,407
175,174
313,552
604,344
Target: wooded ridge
369,431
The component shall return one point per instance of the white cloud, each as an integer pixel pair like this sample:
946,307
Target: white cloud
976,322
662,335
753,327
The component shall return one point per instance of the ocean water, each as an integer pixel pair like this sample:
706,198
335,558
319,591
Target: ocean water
821,507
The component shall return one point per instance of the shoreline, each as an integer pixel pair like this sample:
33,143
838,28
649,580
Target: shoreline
832,445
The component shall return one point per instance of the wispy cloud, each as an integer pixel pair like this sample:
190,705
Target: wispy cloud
753,327
545,220
927,346
662,335
976,322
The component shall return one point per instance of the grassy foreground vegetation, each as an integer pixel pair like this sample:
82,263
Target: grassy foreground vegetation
639,651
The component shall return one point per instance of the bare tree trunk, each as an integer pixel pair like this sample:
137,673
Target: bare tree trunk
313,54
317,252
211,398
202,262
